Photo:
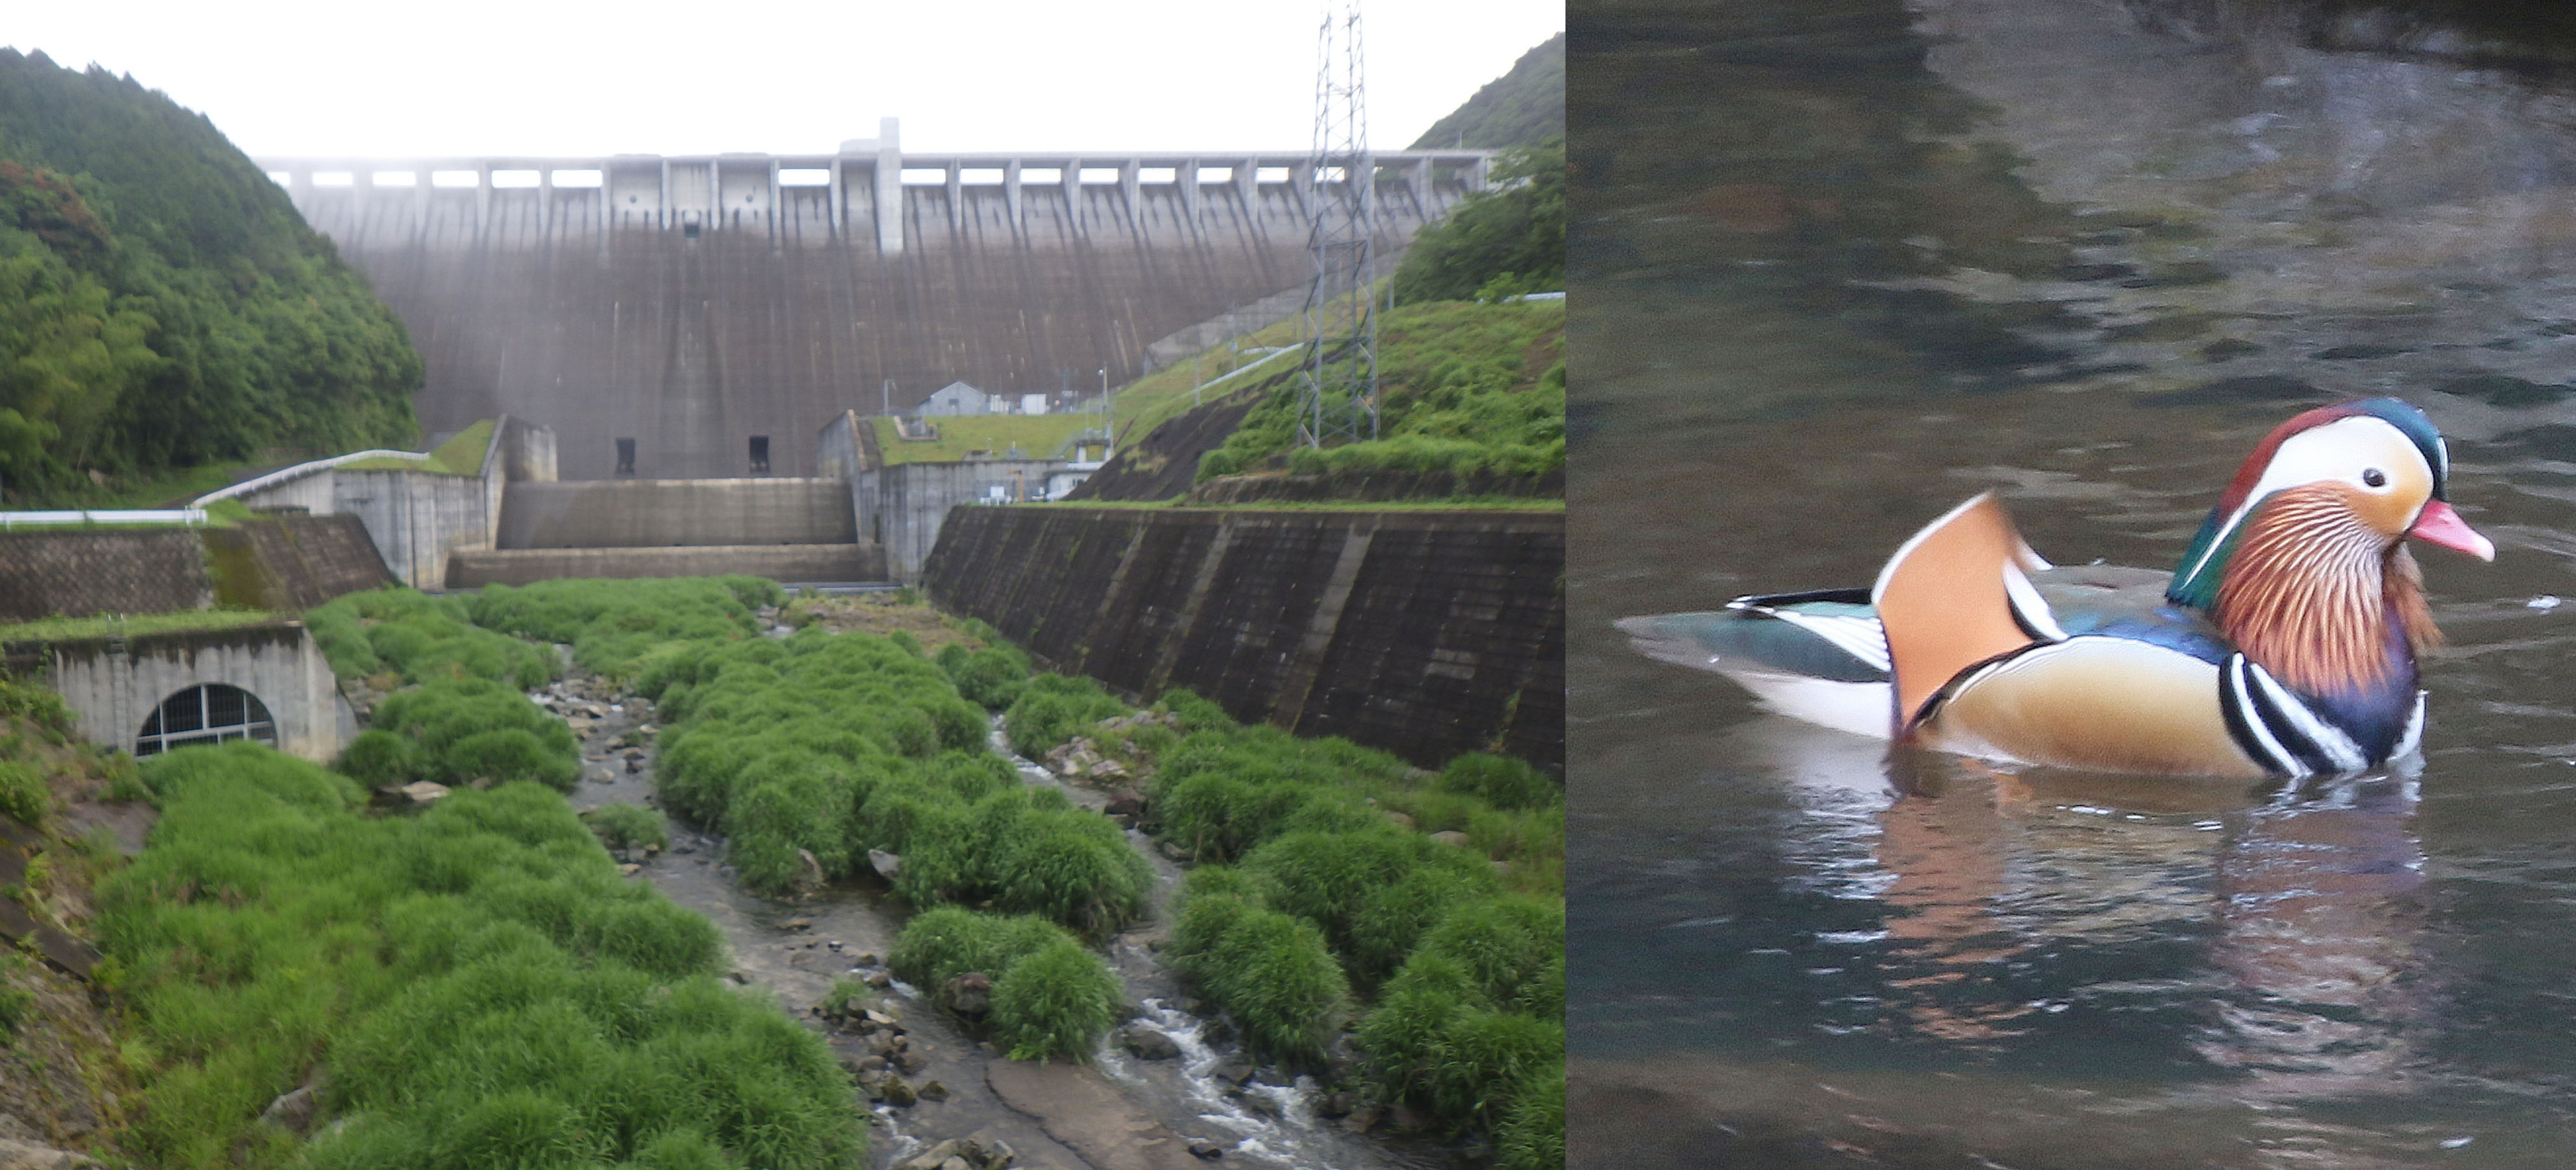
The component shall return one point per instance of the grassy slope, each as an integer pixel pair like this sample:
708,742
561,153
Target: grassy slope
462,455
1037,435
57,629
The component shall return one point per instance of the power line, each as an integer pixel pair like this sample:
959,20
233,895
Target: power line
1338,392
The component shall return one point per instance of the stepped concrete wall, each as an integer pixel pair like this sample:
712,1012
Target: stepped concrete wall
1424,634
644,513
792,563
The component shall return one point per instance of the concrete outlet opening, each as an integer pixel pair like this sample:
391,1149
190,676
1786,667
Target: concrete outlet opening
760,454
625,456
207,713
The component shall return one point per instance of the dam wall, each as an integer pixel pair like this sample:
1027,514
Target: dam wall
1425,634
701,309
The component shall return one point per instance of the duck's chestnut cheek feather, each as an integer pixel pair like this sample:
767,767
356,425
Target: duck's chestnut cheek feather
2441,524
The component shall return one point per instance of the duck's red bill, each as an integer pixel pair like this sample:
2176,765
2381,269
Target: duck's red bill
2441,524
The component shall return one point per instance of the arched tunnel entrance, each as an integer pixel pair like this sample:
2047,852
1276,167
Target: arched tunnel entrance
205,713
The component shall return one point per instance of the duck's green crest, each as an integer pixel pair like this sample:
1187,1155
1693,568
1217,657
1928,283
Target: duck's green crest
2195,581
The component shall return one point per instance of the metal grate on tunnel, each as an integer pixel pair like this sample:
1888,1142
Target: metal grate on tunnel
208,713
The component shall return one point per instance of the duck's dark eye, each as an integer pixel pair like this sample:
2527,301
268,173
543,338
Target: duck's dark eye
2375,478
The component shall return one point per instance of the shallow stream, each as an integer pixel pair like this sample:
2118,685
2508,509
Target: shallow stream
1123,1112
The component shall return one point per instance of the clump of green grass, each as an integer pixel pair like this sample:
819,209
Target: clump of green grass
1532,1136
1476,1012
1500,781
1056,1002
1195,711
628,826
620,628
835,745
992,677
38,705
1053,708
23,794
1224,791
420,638
1050,997
14,1002
456,731
1273,973
1336,893
480,984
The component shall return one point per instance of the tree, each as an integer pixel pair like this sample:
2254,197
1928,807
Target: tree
1511,237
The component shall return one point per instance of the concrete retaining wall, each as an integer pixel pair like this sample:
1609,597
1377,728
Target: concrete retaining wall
905,505
113,685
796,563
645,513
1425,634
901,507
417,519
79,572
277,562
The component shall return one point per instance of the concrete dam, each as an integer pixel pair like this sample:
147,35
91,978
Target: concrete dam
667,317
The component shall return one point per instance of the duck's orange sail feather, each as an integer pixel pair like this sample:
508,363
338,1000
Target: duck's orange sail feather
1946,601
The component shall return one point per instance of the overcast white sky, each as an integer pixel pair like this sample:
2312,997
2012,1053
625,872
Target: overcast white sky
547,77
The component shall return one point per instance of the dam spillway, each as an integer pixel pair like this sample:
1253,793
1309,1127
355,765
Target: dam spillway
690,305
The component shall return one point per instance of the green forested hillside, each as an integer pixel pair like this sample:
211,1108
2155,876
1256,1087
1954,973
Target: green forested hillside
1499,242
1521,108
161,303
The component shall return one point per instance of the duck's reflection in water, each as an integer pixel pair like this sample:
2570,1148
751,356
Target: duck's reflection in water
2276,928
2321,935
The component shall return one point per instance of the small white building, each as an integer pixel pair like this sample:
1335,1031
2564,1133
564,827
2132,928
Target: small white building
956,398
1033,404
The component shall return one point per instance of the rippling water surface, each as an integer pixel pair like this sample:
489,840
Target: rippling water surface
1842,264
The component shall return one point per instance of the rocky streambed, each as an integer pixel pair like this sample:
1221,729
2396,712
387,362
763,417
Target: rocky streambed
1166,1091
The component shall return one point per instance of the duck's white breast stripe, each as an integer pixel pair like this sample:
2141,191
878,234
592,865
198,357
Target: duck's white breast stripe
2266,745
2297,725
2411,740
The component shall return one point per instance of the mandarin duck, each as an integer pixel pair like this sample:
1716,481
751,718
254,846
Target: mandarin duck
2285,644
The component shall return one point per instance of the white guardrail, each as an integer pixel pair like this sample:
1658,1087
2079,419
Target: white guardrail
195,513
188,516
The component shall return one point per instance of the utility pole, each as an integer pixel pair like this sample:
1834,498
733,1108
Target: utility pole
888,393
1338,393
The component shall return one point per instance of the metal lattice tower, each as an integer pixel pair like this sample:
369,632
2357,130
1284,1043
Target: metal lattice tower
1338,393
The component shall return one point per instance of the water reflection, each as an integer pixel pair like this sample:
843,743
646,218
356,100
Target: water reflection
1845,262
2305,898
